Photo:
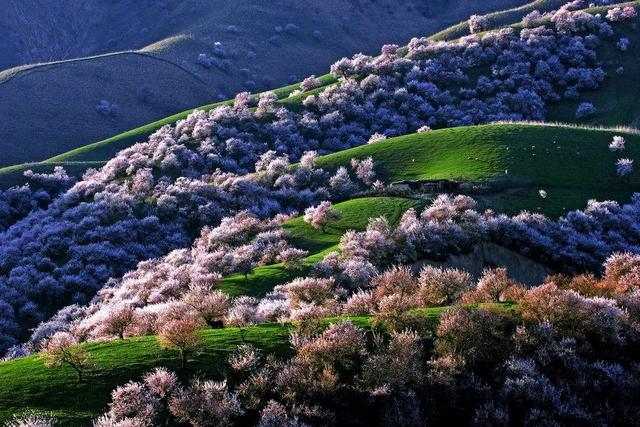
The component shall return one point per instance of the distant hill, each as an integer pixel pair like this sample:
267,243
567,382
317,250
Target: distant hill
617,101
143,57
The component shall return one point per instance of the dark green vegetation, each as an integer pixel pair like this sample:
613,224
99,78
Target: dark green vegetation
517,160
49,108
28,385
355,216
618,98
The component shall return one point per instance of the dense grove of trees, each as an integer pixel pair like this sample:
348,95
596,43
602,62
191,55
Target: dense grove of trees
183,284
566,356
139,246
18,202
156,196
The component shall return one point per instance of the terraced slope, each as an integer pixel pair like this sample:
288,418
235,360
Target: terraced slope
516,161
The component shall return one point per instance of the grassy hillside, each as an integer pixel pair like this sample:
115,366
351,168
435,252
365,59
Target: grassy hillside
500,18
95,155
355,216
572,164
28,385
155,45
617,101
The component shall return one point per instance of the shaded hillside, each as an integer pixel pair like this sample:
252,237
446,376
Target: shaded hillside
53,106
617,99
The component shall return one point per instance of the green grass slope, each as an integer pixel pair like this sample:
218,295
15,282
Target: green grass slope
355,216
617,100
500,18
28,385
572,164
48,108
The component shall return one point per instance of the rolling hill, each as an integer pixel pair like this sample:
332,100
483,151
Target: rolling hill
28,385
142,57
355,216
573,164
617,100
505,164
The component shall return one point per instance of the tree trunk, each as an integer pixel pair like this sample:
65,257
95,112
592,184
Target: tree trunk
79,371
184,359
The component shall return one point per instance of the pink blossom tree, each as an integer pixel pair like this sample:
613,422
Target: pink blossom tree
478,23
321,216
311,82
365,169
442,286
211,305
62,348
118,321
182,335
292,259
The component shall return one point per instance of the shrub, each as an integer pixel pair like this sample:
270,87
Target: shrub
106,108
206,403
118,321
376,137
310,83
478,24
442,286
292,258
618,144
479,337
585,110
365,169
161,382
624,167
211,305
623,44
532,20
132,401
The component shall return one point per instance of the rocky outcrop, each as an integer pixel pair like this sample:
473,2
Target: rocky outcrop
520,268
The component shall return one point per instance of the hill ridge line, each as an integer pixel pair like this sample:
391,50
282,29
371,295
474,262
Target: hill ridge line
622,129
8,75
